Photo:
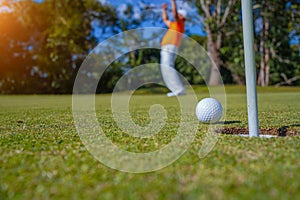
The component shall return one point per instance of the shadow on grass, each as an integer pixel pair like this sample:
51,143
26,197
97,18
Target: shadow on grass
228,122
280,132
295,125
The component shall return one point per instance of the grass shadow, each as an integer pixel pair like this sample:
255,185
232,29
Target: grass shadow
295,125
228,122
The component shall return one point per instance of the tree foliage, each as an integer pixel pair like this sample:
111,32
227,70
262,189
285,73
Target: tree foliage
42,45
53,38
275,24
216,16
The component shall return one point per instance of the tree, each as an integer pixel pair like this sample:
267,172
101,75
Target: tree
70,37
15,57
53,37
275,21
216,15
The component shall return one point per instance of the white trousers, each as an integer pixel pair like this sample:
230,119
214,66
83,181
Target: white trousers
167,66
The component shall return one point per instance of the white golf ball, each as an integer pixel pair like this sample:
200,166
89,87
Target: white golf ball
209,110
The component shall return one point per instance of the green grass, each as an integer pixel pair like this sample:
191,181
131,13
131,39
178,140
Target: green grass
42,156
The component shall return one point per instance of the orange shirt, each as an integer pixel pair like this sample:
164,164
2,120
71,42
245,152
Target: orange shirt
172,36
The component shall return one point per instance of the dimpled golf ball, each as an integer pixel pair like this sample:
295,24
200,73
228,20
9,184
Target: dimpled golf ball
209,110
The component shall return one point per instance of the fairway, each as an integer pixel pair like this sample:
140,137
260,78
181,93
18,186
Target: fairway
42,156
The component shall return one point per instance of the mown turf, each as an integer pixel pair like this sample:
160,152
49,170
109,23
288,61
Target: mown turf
42,156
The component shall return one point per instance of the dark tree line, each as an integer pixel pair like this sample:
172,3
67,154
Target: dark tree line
42,45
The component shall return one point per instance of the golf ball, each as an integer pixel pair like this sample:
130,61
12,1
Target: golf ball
209,110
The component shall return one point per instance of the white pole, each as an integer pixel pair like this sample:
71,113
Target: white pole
250,67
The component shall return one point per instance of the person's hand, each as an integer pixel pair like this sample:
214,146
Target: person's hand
164,6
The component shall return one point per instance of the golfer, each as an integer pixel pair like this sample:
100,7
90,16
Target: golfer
169,48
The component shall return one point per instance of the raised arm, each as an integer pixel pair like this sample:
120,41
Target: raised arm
165,16
174,10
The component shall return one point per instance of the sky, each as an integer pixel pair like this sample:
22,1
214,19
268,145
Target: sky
193,25
118,2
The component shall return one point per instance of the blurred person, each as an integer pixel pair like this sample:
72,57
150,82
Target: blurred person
169,48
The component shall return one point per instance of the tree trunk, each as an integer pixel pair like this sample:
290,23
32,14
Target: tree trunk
261,75
220,17
264,72
214,77
267,55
